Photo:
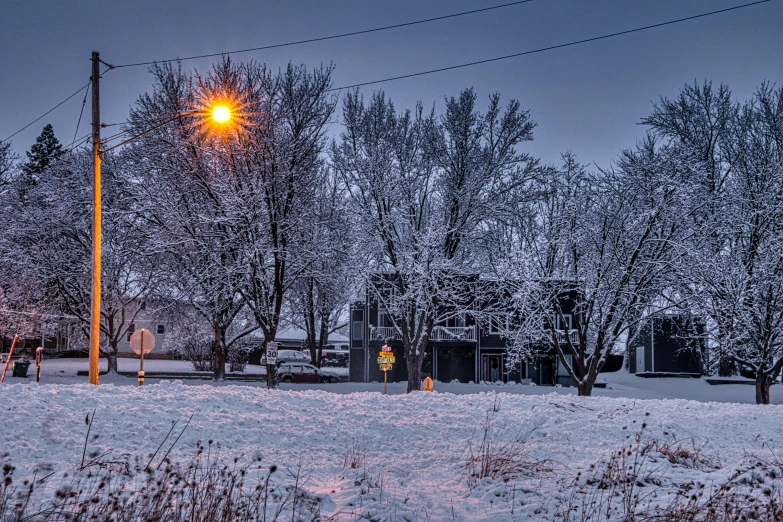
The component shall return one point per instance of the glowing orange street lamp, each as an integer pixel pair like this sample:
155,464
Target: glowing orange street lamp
221,114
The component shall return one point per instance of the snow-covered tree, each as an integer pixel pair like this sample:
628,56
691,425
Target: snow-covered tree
421,187
53,236
735,268
320,296
698,123
730,274
191,200
603,252
279,160
20,310
8,165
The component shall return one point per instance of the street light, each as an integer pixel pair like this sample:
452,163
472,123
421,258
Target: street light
220,113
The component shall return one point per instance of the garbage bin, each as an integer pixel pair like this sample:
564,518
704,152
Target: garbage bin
20,369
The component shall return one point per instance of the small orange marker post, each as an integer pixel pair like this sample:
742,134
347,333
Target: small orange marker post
10,354
428,384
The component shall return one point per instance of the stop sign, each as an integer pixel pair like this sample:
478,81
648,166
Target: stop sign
143,338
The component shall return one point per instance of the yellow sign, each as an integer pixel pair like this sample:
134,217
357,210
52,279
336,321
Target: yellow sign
386,358
385,361
428,384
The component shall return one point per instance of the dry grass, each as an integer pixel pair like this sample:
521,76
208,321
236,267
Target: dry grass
630,486
205,490
501,460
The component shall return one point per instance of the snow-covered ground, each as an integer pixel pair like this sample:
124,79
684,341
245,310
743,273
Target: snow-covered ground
619,384
409,451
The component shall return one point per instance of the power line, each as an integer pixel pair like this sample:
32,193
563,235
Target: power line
81,112
47,112
108,68
550,48
78,143
332,37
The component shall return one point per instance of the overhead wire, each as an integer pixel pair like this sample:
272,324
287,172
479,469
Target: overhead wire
108,68
81,112
548,48
78,143
431,71
330,37
47,112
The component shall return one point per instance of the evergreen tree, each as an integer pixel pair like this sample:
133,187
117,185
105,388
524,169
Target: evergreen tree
42,154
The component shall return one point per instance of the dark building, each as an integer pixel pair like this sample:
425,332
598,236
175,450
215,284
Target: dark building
666,344
459,349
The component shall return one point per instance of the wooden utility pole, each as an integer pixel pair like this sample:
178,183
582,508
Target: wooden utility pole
95,297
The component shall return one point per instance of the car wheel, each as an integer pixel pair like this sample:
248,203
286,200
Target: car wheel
288,379
324,380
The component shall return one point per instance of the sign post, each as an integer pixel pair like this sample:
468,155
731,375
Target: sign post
141,342
271,362
385,361
38,356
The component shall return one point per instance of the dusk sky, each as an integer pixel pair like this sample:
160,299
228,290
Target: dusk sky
587,99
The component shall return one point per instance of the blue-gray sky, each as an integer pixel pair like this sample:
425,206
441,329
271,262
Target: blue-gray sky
587,99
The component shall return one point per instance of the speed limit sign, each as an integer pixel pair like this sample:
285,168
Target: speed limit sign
271,353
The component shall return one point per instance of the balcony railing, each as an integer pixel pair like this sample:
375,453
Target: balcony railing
439,333
454,333
381,333
563,335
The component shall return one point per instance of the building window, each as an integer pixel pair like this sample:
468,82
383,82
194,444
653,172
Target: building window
385,319
161,329
563,323
131,329
357,330
567,325
561,369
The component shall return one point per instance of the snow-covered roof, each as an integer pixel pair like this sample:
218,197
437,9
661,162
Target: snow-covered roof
297,334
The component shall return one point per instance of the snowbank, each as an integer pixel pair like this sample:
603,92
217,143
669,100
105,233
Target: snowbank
413,447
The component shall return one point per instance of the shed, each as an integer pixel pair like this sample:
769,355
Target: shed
667,344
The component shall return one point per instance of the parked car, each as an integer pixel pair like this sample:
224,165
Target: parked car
331,357
286,356
303,372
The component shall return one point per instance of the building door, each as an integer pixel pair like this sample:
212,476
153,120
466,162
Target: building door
640,359
491,368
546,371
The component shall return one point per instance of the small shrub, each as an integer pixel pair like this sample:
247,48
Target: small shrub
238,355
355,457
199,353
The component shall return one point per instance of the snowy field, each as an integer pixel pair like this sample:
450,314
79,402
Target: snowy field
364,456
